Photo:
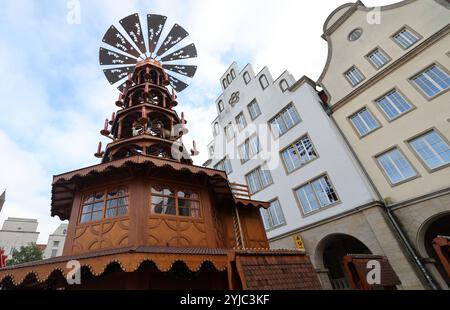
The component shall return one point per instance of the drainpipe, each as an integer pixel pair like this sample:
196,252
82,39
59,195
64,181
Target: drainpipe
400,234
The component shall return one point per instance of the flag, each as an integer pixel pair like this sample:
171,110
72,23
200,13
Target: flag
2,199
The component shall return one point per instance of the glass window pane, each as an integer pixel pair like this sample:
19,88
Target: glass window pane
433,150
307,199
97,216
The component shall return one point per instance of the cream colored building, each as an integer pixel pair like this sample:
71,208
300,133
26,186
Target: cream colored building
387,81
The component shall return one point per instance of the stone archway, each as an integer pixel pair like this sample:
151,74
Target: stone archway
330,253
437,225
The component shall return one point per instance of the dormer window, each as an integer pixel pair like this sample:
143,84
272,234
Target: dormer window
284,85
263,82
233,74
247,77
224,83
229,79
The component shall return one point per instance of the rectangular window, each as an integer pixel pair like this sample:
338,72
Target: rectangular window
103,204
171,201
354,76
249,148
224,165
54,252
55,244
378,58
253,109
396,166
405,38
229,132
364,122
240,121
432,81
298,154
316,194
258,179
284,120
393,104
273,216
432,149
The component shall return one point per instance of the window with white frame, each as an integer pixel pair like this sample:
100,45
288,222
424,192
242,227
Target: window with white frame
378,58
396,166
273,216
229,132
263,81
284,120
298,153
247,77
364,122
253,109
249,148
432,81
224,165
354,76
284,85
432,149
258,179
405,38
220,105
316,194
394,104
216,128
240,121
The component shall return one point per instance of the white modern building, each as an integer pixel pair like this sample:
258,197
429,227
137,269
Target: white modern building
55,244
17,232
274,136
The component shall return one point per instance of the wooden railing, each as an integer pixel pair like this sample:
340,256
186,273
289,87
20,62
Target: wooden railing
240,191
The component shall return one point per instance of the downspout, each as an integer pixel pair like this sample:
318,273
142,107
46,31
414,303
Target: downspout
393,221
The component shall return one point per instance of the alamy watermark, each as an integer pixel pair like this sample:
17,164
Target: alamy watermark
73,16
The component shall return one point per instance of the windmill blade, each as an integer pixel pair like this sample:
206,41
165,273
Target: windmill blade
178,85
108,57
114,38
185,70
132,26
186,52
176,34
155,24
116,74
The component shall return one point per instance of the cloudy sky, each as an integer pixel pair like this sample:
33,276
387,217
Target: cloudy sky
54,97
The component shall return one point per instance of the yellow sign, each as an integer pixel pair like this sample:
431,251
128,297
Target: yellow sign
299,242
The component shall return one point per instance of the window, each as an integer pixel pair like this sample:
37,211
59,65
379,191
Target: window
355,34
55,244
378,58
432,149
405,38
169,201
364,122
249,148
273,216
64,231
316,194
240,121
253,109
228,79
432,81
354,76
247,77
298,153
216,129
211,151
220,105
284,85
396,166
393,104
229,132
109,203
224,165
224,83
258,179
284,120
263,82
54,252
233,74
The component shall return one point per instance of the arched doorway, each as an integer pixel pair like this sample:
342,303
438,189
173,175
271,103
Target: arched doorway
437,244
335,247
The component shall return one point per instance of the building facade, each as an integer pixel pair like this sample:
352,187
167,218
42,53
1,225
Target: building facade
55,243
17,232
389,97
304,167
